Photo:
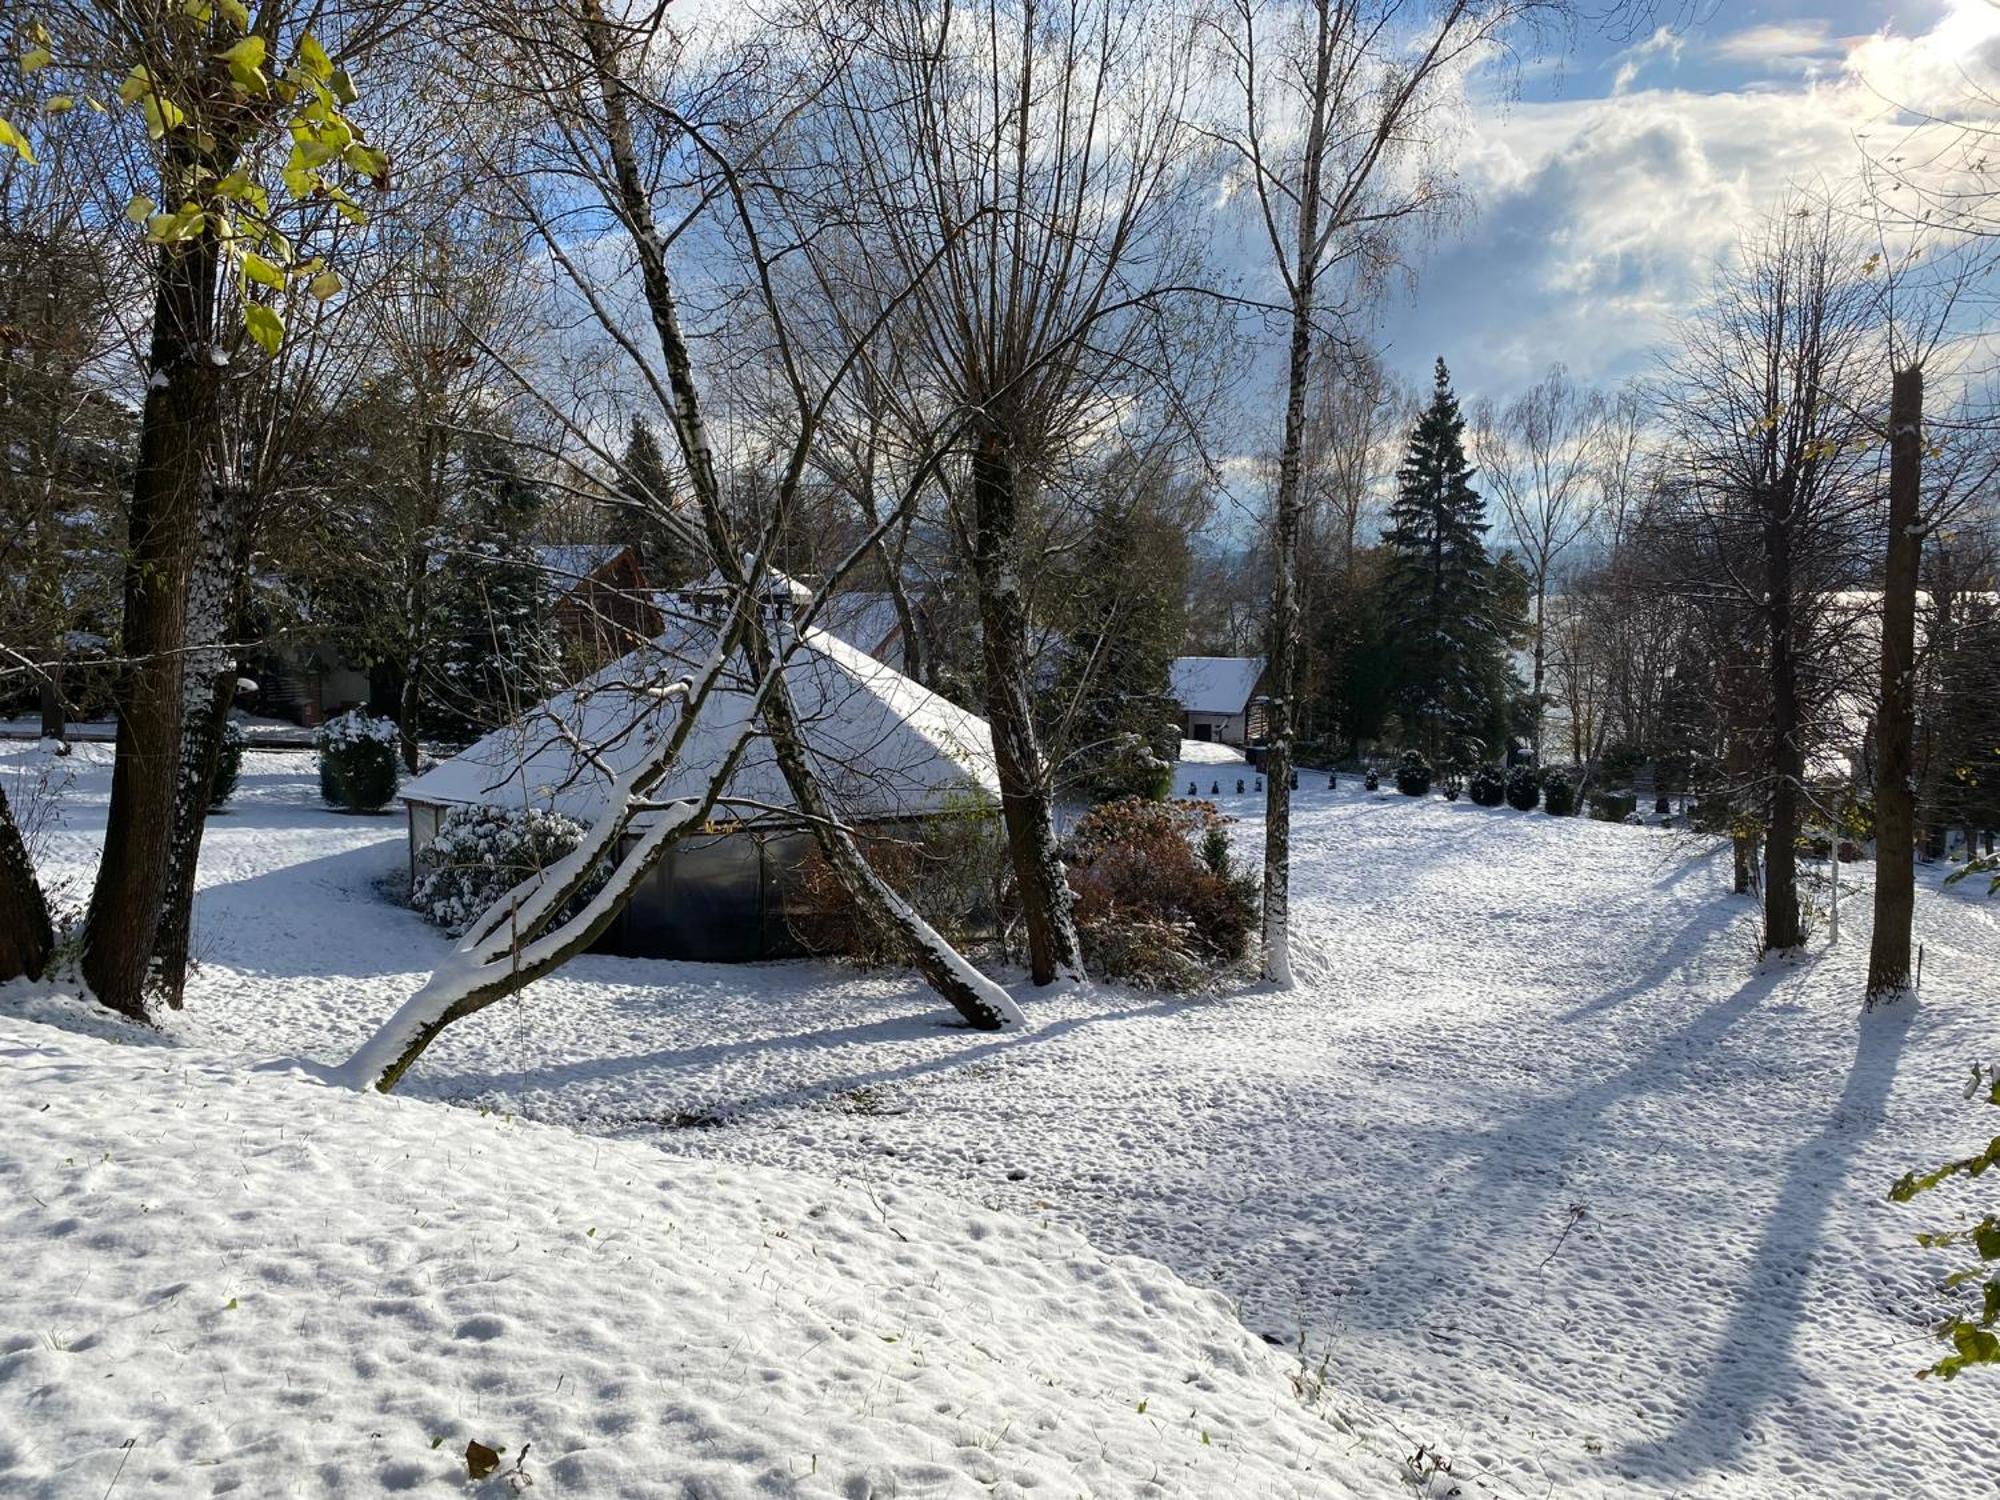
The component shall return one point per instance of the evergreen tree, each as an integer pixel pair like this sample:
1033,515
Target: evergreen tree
496,654
1441,605
1129,598
638,515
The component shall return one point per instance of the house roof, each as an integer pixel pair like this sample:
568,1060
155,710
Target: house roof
1215,684
566,565
883,745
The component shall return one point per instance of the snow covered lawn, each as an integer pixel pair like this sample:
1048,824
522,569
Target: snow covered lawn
1538,1165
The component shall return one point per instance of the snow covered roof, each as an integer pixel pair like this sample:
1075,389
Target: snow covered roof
884,745
866,621
564,566
1215,684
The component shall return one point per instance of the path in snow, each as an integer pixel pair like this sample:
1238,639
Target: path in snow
1510,1027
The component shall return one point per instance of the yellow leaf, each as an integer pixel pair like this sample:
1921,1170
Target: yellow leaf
261,271
248,53
137,83
140,209
237,12
9,136
161,115
265,326
324,285
366,161
35,59
343,87
312,56
60,104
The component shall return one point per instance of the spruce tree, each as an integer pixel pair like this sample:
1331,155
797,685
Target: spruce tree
497,655
1441,606
638,514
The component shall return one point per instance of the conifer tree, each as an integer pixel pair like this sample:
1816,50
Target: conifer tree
638,515
1440,601
496,655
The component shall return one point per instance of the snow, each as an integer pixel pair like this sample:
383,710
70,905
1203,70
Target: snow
222,1282
1538,1164
885,745
1210,753
1215,684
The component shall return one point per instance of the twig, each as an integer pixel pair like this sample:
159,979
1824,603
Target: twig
1576,1213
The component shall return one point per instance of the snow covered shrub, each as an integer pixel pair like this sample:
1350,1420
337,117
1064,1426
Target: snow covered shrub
1558,794
228,765
1413,774
1151,907
1613,807
357,761
1969,1330
1371,781
1488,786
1524,788
480,854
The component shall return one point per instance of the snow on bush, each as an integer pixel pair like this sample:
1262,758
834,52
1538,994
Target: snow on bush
1558,793
228,765
1488,786
481,853
357,761
1524,788
1413,774
1151,910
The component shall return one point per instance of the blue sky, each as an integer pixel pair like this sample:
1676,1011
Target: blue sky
1603,196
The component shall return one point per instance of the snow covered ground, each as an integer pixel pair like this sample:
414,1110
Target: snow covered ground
1539,1167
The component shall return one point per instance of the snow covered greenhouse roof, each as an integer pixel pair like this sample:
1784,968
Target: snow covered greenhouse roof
884,745
1215,684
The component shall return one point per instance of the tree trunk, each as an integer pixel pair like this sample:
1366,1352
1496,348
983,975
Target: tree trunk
176,436
26,935
1786,762
1053,948
1896,725
209,688
1540,658
55,712
1283,651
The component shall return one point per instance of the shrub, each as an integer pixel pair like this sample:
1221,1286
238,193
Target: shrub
1970,1328
480,854
228,765
357,761
1488,786
953,870
1413,774
1613,807
1524,788
1371,781
1151,908
1558,794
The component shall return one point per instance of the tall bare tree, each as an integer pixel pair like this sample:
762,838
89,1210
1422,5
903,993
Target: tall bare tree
1337,114
1543,457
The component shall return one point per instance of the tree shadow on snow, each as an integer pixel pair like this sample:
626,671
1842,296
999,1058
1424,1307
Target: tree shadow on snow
1756,1360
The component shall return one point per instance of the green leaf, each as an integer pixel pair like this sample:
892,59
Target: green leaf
324,285
35,59
249,52
237,12
343,87
265,326
140,209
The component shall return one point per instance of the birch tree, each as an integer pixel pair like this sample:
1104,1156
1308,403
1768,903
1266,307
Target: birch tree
1337,114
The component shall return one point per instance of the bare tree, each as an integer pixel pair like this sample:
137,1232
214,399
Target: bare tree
1544,457
1336,116
1765,402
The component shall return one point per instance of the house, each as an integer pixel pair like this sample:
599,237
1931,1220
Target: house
1221,698
890,755
865,619
599,605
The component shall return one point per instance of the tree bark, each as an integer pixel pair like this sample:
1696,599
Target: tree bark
1054,950
209,689
1896,724
1786,763
1283,652
55,713
26,935
176,438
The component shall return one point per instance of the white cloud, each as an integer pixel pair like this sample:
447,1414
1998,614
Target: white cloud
1788,44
